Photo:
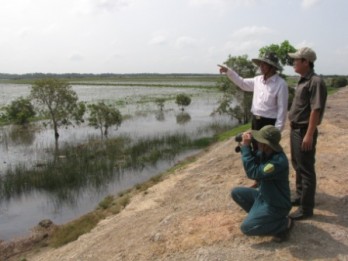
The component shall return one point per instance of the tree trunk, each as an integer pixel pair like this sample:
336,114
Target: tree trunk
55,127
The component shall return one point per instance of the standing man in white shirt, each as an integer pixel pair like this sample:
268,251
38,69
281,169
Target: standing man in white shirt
270,97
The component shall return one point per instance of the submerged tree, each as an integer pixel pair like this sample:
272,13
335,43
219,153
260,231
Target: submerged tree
182,100
58,102
20,111
102,116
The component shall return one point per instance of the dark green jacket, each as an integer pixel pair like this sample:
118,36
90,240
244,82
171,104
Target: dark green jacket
273,174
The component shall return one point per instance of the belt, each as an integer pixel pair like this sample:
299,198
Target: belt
298,126
257,117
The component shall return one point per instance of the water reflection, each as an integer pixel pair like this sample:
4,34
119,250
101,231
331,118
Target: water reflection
22,135
183,118
160,116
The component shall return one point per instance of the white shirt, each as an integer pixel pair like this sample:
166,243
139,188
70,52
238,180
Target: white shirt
270,98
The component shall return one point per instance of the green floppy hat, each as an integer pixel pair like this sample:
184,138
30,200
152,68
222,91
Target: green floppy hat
269,58
269,135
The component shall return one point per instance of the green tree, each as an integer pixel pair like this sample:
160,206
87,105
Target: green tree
281,50
338,82
102,116
20,111
58,102
183,100
236,102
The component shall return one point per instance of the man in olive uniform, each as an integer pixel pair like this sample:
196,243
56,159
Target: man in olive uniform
267,206
305,114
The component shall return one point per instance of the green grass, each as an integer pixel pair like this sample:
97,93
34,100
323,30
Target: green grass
231,133
332,90
93,164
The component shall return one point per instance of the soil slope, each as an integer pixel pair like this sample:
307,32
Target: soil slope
190,215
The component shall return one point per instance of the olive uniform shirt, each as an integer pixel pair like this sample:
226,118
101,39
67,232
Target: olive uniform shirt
272,172
310,95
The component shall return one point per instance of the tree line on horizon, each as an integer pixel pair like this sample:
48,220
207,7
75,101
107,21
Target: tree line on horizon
35,76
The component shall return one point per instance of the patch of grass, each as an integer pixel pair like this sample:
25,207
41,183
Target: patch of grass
331,90
204,142
228,134
72,230
106,202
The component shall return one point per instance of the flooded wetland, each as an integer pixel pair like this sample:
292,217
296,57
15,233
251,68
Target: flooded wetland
40,182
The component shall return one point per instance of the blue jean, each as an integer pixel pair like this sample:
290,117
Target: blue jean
262,218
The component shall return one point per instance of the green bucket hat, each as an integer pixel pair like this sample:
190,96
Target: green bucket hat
269,135
269,58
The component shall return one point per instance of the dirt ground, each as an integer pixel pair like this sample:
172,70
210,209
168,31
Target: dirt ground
190,215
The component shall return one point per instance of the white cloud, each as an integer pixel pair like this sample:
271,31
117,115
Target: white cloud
222,2
107,5
342,51
76,57
248,39
304,44
186,41
309,3
96,6
243,47
169,36
206,2
158,40
251,32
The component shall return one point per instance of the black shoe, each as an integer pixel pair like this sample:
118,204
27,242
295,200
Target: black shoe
284,235
300,214
296,202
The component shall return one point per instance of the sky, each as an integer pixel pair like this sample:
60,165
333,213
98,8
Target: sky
164,36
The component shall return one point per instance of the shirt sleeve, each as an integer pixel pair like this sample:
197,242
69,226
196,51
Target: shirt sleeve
246,84
318,94
282,104
270,169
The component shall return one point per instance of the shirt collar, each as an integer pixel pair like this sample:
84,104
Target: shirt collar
273,78
308,75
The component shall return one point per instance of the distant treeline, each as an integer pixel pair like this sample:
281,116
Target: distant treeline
34,76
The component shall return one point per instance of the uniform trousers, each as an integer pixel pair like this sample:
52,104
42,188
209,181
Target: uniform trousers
262,218
303,163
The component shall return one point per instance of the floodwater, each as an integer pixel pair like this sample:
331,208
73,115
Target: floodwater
22,212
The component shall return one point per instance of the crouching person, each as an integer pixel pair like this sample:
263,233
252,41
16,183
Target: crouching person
268,205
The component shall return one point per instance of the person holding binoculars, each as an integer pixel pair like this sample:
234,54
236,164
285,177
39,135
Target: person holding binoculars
267,206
